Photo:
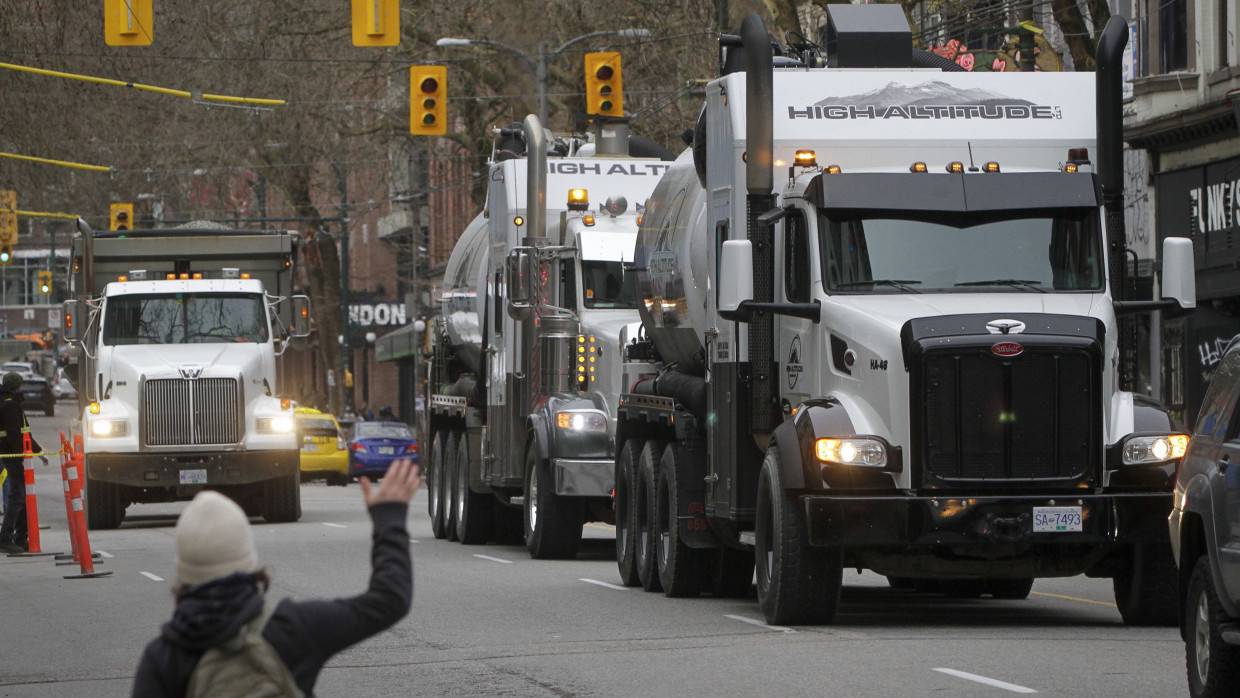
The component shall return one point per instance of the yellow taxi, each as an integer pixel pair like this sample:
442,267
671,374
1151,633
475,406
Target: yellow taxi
324,451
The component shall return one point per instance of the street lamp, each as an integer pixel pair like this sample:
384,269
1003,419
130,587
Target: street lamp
370,349
538,61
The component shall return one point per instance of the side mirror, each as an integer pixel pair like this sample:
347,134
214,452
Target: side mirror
519,268
301,316
735,265
70,321
1179,278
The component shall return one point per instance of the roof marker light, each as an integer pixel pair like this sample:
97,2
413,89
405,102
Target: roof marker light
1071,168
991,166
955,167
588,219
833,169
806,158
918,167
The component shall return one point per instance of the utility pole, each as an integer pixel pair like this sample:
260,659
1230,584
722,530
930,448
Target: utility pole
346,357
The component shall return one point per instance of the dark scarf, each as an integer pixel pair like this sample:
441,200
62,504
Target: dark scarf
211,613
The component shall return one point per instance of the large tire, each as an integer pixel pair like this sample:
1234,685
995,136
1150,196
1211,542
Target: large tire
680,567
473,510
104,508
1147,589
1010,589
797,583
446,490
1213,665
733,573
435,504
282,499
552,523
626,519
647,546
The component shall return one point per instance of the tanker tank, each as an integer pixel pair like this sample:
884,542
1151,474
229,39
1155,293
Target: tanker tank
670,263
461,300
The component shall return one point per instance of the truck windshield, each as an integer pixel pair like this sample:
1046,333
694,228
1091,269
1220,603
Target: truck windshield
185,318
1057,252
604,285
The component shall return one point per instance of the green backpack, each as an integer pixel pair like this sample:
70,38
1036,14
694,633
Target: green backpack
247,666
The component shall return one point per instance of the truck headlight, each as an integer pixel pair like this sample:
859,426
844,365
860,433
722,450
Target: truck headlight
281,424
108,428
860,451
581,420
1144,450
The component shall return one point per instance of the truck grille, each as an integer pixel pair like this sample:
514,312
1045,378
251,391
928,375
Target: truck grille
180,412
991,420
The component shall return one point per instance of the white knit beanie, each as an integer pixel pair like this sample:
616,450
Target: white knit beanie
213,540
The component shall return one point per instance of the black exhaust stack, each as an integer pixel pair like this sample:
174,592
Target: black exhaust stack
1108,84
759,180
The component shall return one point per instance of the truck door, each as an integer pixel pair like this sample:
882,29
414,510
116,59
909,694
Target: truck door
796,338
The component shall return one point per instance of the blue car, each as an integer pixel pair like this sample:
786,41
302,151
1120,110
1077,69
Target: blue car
375,445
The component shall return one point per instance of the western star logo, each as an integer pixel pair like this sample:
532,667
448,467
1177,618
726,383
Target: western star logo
931,100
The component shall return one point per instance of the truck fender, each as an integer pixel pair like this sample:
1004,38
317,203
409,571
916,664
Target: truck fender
1150,415
536,424
791,455
814,418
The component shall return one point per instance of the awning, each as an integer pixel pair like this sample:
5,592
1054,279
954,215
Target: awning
397,345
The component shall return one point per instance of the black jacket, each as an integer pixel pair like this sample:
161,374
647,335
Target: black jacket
12,421
305,633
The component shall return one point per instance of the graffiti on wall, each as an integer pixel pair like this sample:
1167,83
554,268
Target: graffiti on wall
1002,60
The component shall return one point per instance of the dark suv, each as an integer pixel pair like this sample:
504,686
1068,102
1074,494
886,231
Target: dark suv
37,394
1205,533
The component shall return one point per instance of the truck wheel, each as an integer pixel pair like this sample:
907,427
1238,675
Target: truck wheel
473,510
434,496
552,523
797,583
104,509
643,521
446,489
1014,589
1147,589
282,499
733,573
626,522
1213,665
679,565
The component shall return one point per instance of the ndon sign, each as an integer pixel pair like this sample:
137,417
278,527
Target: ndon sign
377,314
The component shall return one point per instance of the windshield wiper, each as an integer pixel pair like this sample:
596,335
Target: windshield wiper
1014,283
902,284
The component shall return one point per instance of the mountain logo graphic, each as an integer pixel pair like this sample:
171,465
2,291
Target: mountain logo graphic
925,100
793,368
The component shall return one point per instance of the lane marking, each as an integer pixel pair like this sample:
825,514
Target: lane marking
1065,597
493,559
104,553
334,525
758,623
601,583
995,683
152,577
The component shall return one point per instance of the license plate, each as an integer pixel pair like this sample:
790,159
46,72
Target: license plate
387,450
194,477
1056,519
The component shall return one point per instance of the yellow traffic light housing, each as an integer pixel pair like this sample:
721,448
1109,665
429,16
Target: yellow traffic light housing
376,22
120,216
45,282
128,22
604,84
428,100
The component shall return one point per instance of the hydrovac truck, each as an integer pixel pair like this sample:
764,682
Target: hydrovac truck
879,306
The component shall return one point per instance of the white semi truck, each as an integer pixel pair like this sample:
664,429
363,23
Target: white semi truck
879,312
177,336
525,373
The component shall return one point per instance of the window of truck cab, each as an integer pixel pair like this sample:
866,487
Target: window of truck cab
1056,251
185,318
605,286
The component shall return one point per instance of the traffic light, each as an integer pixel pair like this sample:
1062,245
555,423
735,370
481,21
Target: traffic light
45,282
428,100
376,22
128,22
120,216
604,84
8,224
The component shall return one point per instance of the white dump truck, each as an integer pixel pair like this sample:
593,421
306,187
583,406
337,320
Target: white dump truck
177,336
879,306
525,373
